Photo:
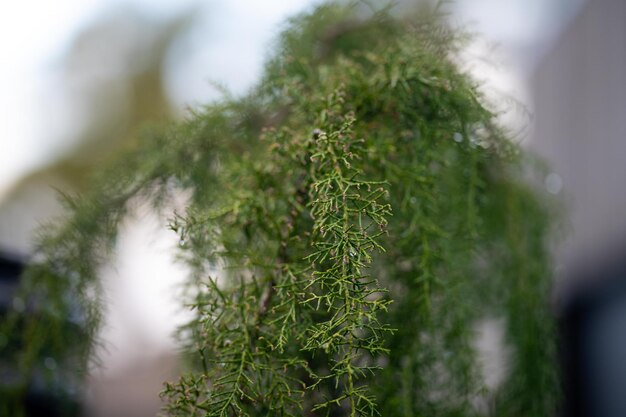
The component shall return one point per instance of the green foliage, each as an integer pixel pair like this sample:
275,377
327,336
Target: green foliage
350,222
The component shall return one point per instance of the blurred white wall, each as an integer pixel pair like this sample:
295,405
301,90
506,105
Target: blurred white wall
579,92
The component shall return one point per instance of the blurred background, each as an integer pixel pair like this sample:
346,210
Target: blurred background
79,77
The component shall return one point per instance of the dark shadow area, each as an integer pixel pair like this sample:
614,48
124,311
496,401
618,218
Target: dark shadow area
40,398
593,326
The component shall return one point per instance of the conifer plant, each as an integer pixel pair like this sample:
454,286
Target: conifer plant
349,222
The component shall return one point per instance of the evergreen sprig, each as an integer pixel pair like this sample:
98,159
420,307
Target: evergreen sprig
348,219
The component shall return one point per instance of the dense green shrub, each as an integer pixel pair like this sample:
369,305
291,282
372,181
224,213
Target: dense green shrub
350,221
